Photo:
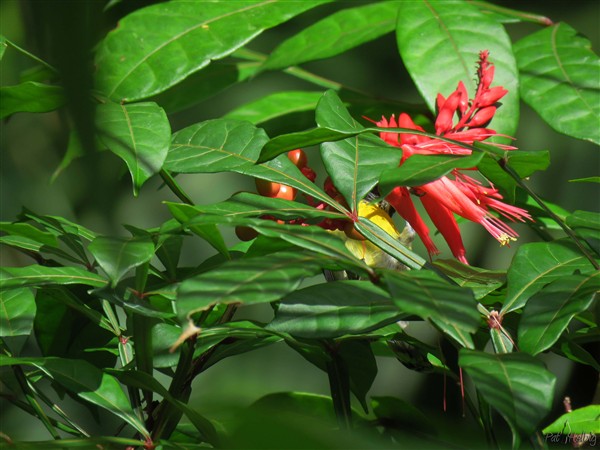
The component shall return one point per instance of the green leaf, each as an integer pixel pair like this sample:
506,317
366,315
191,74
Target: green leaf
356,164
286,142
117,256
335,309
359,360
36,275
247,281
74,151
517,385
139,134
480,281
522,162
558,71
202,85
215,146
141,380
312,238
537,264
587,225
246,204
445,37
3,46
88,382
583,421
17,311
353,164
275,105
335,34
549,312
30,97
389,244
586,180
421,169
282,170
130,68
396,413
425,294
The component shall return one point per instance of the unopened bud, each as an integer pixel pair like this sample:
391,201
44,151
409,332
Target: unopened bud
491,96
482,117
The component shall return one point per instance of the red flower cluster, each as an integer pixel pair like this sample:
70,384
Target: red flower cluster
458,193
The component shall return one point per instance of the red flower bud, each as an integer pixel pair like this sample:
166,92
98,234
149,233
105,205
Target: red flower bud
463,103
440,100
404,121
491,96
309,173
443,122
482,116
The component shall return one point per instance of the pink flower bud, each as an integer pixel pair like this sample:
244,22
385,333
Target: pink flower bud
482,117
440,100
487,77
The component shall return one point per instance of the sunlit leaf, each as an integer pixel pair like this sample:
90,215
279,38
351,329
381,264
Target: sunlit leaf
548,313
139,134
335,34
117,256
17,311
517,385
445,37
334,309
537,264
36,275
215,146
558,71
426,295
130,68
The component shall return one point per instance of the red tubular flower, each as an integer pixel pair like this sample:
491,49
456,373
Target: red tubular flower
457,193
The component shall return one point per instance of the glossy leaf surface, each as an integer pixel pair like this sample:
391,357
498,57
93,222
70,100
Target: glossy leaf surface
36,275
17,311
558,70
30,97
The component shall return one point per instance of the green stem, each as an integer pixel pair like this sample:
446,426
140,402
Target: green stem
339,385
521,15
32,56
503,164
29,410
29,394
175,188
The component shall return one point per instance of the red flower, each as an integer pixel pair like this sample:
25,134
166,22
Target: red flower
457,193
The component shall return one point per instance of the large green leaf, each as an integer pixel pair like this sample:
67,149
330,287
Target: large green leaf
215,146
548,313
335,34
559,79
445,37
587,225
36,275
517,385
139,134
185,37
353,164
30,97
537,264
275,105
451,308
332,310
421,169
117,256
247,281
88,382
583,421
17,311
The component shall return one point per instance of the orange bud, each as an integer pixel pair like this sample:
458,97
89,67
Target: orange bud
286,192
298,157
267,188
245,233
